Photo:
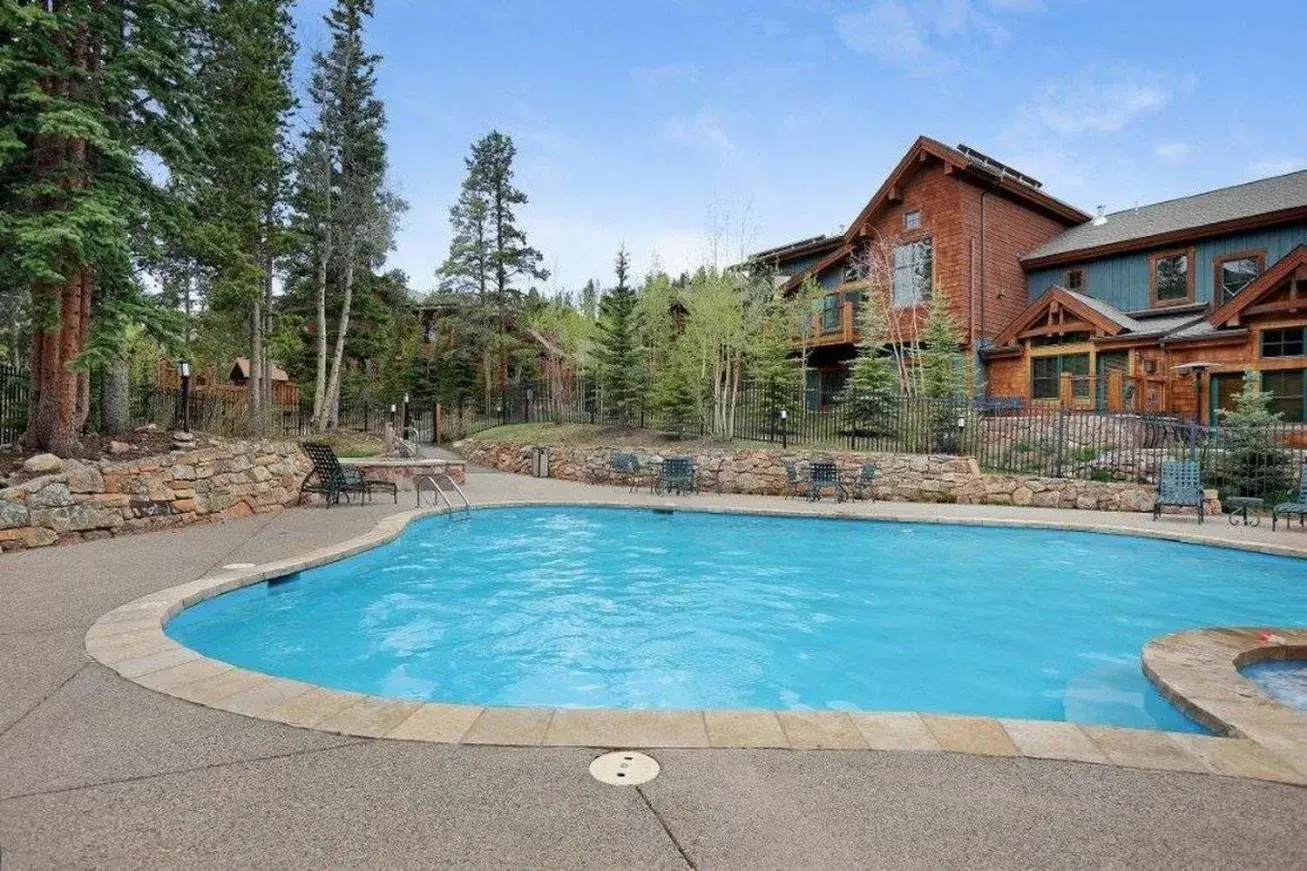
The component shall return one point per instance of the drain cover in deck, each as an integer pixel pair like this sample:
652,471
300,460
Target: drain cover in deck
624,768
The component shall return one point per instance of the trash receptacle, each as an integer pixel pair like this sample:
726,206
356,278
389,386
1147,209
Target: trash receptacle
540,461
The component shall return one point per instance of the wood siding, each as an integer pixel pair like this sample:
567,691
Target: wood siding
1123,280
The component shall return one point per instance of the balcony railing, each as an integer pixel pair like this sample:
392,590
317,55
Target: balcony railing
833,327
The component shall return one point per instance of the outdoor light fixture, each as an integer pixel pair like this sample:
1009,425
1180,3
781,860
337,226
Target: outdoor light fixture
184,367
392,408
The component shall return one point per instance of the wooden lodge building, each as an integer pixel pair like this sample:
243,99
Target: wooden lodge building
1157,308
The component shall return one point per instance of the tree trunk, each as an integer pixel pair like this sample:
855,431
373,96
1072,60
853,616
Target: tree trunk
117,396
342,328
256,363
320,378
58,399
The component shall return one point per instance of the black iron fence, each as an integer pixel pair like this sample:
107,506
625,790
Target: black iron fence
1004,435
13,403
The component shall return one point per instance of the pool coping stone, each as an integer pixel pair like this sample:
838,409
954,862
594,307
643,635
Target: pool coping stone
1257,737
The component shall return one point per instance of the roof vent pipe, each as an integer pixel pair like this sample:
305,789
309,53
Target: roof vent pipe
1100,219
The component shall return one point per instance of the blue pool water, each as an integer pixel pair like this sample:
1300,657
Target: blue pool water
594,607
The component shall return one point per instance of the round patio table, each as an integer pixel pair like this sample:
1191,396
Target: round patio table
1238,507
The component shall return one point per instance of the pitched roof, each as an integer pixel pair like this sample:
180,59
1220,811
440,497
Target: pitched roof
1114,322
1282,197
803,246
241,368
1282,269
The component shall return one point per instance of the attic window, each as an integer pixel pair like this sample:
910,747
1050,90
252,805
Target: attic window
1171,275
912,220
1236,272
1074,280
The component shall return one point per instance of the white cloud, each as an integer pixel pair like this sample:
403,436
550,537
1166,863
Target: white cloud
921,35
1175,152
1276,166
702,129
1094,102
662,74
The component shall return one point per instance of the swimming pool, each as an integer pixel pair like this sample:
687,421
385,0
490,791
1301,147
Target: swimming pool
608,607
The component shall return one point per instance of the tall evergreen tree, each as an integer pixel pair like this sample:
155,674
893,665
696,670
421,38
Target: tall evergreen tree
244,90
349,139
86,88
489,252
468,269
617,350
872,392
943,373
774,369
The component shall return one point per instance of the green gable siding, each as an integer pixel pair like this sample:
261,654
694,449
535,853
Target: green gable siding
1123,280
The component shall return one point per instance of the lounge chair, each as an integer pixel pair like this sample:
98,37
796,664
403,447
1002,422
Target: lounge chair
823,474
861,485
1289,509
332,480
677,475
1181,485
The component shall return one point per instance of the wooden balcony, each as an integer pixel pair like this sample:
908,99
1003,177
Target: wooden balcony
841,330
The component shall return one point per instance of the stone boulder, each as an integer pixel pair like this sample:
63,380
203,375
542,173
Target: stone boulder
43,464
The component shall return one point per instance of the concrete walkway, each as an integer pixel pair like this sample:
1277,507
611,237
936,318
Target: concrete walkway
96,771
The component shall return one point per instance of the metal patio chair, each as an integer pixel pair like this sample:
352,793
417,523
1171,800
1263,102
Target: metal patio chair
677,475
332,480
860,485
1291,509
823,474
792,480
1181,484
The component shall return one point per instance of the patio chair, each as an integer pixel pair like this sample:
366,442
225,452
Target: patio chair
624,469
1181,485
1289,509
677,475
792,480
823,474
861,484
332,480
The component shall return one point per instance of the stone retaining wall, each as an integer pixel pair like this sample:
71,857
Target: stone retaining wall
84,501
901,477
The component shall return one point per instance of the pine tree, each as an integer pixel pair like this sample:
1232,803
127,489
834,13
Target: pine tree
1252,463
617,350
467,269
675,391
244,90
489,251
872,393
776,371
350,132
86,89
943,373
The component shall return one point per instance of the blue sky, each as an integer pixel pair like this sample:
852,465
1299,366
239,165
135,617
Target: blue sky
668,124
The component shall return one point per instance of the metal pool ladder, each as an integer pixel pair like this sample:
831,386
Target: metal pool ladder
443,488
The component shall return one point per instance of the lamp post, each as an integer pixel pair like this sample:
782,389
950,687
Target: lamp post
785,430
185,369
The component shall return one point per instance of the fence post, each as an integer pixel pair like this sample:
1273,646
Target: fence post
1061,442
437,423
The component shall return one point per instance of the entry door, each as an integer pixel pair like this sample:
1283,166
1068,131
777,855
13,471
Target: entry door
1108,361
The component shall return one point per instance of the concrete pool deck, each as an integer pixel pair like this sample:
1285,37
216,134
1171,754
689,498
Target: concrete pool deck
95,770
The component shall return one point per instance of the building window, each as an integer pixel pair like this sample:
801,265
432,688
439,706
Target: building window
913,273
1235,272
830,313
1287,388
1046,376
1074,280
1282,343
912,220
858,266
1172,277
